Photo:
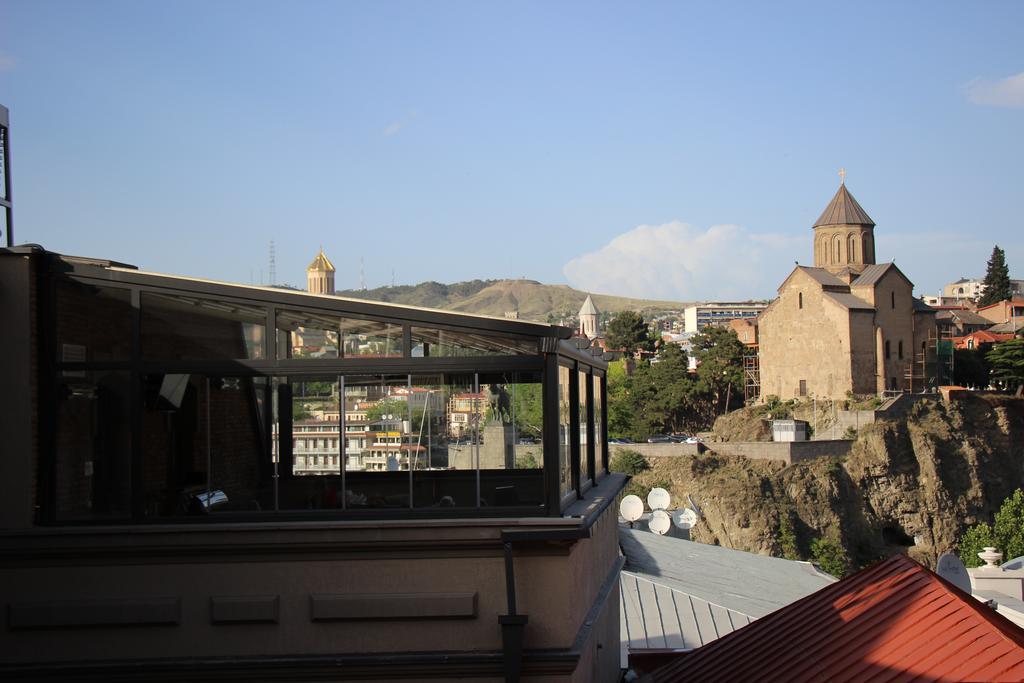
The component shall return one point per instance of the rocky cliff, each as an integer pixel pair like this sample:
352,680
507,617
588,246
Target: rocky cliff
911,483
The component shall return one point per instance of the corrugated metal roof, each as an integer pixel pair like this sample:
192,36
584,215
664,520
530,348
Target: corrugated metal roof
655,615
895,620
963,316
752,584
849,301
679,594
844,210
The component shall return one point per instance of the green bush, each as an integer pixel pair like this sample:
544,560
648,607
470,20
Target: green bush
1006,534
850,434
831,557
628,462
787,537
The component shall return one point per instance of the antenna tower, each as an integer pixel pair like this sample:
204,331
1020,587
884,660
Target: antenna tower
273,265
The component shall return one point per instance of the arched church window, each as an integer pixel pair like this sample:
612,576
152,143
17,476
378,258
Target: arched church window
800,300
888,354
892,295
837,245
899,350
851,249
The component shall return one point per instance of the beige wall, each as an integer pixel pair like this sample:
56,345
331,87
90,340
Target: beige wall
557,586
811,343
896,322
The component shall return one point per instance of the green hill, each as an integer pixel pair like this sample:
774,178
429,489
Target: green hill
533,300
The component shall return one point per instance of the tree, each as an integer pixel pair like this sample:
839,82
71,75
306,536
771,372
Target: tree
719,355
1006,534
529,409
1007,362
629,462
629,333
665,397
831,557
397,408
997,279
970,369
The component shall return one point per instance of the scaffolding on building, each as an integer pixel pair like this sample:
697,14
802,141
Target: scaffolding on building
932,365
751,375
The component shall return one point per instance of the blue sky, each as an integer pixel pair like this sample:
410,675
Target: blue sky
673,150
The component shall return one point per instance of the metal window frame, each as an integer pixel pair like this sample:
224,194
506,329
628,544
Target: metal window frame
551,354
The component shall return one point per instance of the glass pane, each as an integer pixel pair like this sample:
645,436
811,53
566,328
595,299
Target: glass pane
584,384
184,327
204,445
306,442
444,441
3,164
371,339
511,450
307,335
377,433
93,323
598,436
445,343
93,463
564,432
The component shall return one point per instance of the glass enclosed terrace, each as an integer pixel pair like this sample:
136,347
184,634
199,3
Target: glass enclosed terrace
176,399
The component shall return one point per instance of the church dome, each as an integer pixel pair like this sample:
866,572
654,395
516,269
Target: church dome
844,210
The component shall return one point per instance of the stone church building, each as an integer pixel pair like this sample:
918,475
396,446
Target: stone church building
847,325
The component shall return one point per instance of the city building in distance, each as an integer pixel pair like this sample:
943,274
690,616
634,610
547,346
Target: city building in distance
720,314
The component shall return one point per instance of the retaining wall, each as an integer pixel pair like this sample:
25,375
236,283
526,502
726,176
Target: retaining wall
788,452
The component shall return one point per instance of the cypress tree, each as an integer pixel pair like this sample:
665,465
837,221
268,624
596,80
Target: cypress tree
997,279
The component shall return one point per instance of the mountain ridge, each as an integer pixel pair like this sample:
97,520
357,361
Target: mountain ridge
533,300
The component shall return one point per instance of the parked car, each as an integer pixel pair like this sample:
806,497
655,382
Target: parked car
660,438
678,438
695,439
621,442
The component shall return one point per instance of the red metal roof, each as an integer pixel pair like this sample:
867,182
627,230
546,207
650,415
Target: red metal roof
895,620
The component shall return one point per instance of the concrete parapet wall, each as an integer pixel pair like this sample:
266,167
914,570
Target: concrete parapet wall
658,450
788,452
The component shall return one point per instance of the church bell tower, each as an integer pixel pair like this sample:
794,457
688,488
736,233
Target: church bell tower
844,235
320,275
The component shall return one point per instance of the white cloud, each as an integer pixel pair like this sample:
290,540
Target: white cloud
393,128
1006,92
677,261
396,126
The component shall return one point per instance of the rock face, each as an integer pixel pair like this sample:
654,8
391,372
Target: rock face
912,483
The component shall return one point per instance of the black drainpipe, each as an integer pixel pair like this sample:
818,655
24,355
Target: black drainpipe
512,624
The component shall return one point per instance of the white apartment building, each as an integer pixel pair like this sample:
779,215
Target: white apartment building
701,315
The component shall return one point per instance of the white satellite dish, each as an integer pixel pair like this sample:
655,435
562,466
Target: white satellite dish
631,508
953,570
685,518
658,499
660,522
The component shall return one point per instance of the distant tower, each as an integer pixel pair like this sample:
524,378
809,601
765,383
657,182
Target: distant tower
273,265
588,318
320,275
844,235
